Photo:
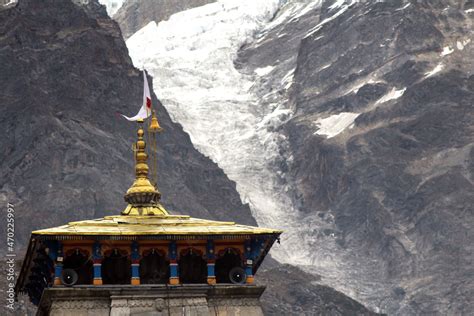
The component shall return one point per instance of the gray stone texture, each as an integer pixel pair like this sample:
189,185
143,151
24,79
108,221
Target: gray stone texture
191,300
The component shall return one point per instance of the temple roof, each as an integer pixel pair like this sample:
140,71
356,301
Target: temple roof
153,225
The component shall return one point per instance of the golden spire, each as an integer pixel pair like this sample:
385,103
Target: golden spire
142,196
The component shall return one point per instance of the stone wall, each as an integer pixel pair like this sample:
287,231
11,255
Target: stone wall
152,300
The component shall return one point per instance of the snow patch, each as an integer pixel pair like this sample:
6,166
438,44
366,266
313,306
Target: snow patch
281,17
461,44
287,80
112,6
404,7
469,10
264,70
292,11
336,4
447,50
434,71
311,6
325,66
357,86
9,3
335,124
329,19
393,94
318,38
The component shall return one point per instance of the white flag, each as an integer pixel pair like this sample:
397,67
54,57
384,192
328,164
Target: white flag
145,110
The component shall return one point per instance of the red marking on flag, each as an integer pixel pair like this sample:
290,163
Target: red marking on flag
148,103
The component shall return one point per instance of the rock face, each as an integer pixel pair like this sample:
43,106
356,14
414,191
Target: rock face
135,14
291,291
382,145
362,127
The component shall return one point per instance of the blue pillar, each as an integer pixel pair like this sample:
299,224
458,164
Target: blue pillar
58,267
97,260
135,256
253,248
172,254
211,262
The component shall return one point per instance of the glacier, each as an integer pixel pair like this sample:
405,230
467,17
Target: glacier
228,117
190,57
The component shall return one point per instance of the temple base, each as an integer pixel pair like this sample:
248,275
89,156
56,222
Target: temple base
199,299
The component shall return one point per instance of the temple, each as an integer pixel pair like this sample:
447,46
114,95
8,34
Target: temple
145,261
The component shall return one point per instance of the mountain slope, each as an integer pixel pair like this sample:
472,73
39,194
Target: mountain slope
399,180
347,124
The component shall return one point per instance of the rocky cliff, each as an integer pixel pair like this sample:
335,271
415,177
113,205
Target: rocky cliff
381,136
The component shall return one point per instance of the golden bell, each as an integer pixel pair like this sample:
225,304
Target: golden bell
154,126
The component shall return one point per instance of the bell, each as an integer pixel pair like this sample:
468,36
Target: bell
154,126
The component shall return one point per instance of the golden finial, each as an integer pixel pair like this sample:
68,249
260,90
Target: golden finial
142,192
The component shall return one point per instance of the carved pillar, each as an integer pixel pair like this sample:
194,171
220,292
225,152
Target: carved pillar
211,262
135,256
172,253
97,260
58,266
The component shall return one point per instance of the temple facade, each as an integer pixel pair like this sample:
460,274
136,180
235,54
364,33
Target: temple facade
145,261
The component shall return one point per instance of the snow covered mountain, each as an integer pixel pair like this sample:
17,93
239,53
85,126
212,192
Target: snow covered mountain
345,123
